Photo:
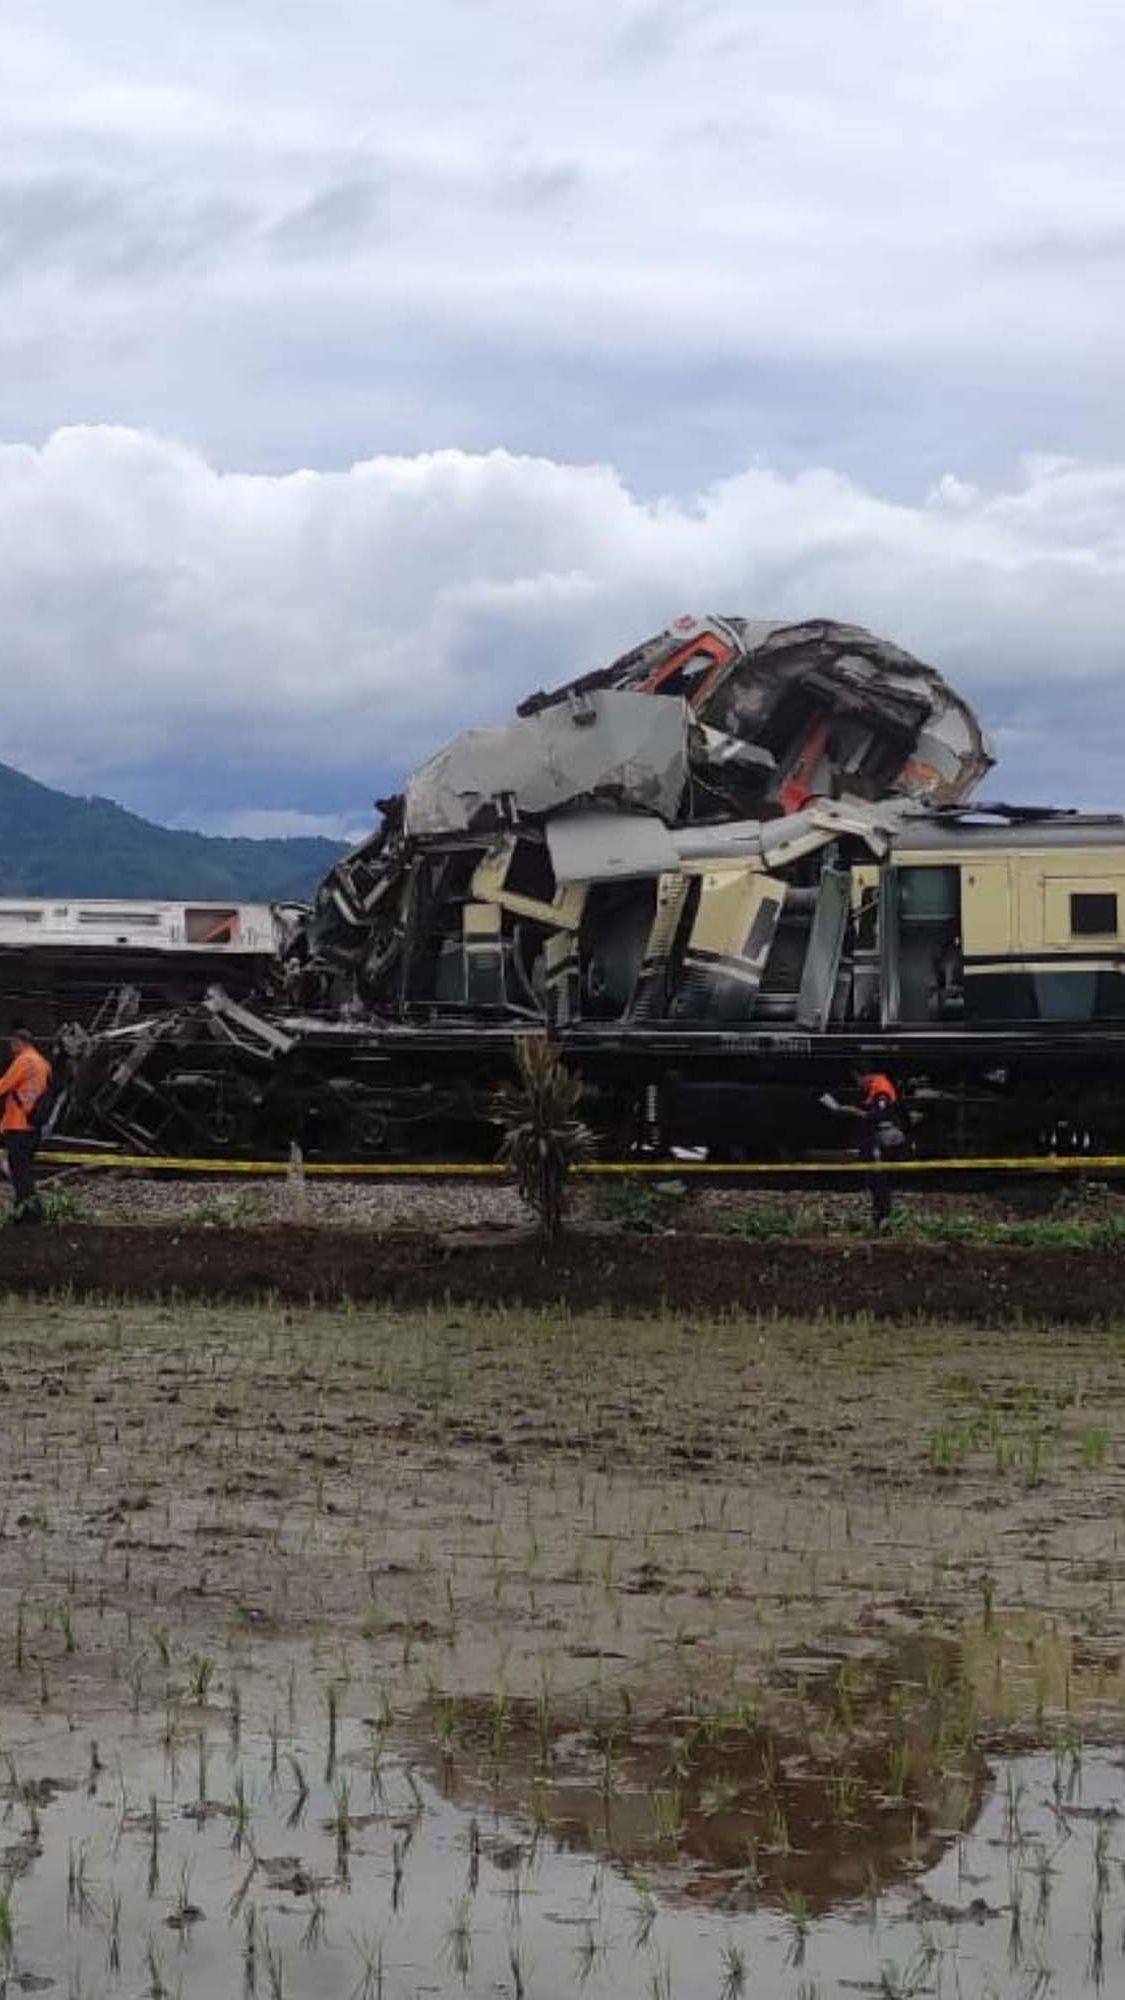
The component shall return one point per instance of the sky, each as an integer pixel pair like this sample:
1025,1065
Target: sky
365,366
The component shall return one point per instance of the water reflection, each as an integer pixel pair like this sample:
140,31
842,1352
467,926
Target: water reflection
835,1782
853,1840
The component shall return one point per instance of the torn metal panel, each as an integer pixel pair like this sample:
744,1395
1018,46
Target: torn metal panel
825,948
781,842
617,748
609,847
730,942
253,1034
650,1000
490,885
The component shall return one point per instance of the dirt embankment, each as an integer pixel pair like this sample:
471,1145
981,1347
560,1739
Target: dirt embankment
978,1285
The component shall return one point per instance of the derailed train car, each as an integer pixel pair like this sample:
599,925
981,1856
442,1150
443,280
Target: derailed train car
722,871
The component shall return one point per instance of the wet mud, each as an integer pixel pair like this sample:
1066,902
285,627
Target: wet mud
590,1270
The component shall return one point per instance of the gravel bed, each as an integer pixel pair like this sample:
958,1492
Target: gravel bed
430,1207
108,1197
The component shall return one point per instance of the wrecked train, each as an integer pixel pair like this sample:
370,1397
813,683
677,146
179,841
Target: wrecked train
722,871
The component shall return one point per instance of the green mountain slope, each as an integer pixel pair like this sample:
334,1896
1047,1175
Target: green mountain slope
54,845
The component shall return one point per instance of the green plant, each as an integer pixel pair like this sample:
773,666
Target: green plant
63,1204
644,1207
543,1137
760,1221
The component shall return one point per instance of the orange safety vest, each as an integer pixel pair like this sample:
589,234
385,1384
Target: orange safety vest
872,1087
27,1076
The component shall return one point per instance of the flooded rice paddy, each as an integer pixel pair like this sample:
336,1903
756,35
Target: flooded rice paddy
356,1654
476,1848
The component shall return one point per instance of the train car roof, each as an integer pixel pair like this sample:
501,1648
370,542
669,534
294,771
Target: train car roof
1009,827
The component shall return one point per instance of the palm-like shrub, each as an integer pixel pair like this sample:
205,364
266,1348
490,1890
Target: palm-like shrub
543,1136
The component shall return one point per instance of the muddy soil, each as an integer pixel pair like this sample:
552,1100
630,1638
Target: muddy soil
462,1500
587,1271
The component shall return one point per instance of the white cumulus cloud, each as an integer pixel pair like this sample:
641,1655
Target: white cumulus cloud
160,616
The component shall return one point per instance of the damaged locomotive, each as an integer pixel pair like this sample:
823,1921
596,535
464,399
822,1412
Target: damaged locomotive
721,871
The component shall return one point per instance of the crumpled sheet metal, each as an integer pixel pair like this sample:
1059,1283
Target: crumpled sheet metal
613,847
737,674
952,752
618,748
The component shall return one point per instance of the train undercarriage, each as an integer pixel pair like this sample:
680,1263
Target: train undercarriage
222,1080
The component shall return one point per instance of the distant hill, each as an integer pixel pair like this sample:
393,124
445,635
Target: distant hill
52,844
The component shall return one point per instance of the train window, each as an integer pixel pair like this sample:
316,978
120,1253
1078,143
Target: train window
1093,915
210,926
929,893
761,929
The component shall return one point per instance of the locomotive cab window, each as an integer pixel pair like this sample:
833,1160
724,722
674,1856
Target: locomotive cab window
1093,915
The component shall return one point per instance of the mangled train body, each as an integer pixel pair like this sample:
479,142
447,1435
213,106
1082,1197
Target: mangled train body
721,871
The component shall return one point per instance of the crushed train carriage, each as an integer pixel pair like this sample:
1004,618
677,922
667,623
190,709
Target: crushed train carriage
722,870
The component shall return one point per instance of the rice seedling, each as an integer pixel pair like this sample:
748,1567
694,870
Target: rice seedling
473,1873
153,1967
779,1841
1094,1446
517,1968
314,1933
399,1852
798,1919
241,1812
78,1898
342,1826
644,1917
734,1970
301,1797
458,1946
153,1823
184,1911
660,1979
274,1966
250,1953
667,1815
113,1933
332,1707
908,1981
201,1674
369,1952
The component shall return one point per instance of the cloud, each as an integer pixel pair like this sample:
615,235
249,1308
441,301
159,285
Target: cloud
292,644
336,219
670,233
93,229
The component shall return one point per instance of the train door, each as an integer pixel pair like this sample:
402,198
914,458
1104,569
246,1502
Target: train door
920,938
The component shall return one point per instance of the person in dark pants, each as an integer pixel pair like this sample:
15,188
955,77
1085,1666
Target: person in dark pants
23,1087
883,1137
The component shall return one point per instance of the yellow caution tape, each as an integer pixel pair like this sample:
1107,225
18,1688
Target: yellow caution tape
1063,1164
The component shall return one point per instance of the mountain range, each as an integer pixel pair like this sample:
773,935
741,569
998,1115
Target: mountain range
52,844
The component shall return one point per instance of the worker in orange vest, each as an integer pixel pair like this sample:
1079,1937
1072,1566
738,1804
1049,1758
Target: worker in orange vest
884,1134
24,1088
